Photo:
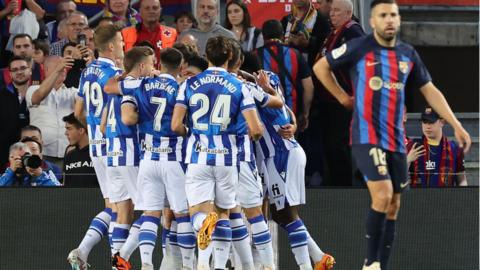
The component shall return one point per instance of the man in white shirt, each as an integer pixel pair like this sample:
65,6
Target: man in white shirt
48,103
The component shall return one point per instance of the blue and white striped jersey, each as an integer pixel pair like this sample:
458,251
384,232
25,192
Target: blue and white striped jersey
214,100
92,81
122,141
155,100
273,119
245,145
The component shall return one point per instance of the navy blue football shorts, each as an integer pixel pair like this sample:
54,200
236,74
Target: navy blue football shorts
376,164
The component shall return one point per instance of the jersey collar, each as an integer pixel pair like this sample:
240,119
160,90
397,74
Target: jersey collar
167,76
106,60
216,69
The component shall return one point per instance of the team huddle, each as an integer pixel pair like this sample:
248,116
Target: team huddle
207,150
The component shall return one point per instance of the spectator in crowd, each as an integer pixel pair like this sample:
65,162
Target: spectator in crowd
62,30
333,118
82,56
27,172
184,21
31,132
41,51
36,148
76,24
48,103
158,35
78,169
291,68
306,28
13,108
103,21
121,13
442,164
23,47
207,15
238,21
190,40
64,9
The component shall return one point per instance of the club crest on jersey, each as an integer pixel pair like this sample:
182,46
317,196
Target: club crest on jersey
382,170
403,66
339,51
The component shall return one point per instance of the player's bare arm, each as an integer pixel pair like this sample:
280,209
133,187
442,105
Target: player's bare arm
129,114
177,120
323,72
255,128
438,102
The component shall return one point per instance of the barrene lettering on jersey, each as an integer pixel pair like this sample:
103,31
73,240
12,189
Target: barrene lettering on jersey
214,79
160,86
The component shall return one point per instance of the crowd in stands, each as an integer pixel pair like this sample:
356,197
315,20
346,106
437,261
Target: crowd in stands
41,62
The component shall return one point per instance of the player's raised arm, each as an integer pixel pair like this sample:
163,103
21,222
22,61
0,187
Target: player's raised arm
439,104
323,72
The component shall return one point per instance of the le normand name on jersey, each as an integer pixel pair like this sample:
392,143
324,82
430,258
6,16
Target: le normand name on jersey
216,80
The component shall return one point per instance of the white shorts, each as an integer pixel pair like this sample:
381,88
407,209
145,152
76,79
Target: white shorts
159,181
263,174
211,183
123,183
286,172
249,191
100,167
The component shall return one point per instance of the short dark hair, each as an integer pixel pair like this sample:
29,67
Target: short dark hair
188,51
378,2
31,128
198,62
104,35
171,58
72,120
237,53
187,14
272,29
18,58
135,56
42,45
69,44
30,139
218,50
17,36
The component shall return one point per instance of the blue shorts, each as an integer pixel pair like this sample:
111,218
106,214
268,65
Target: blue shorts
376,163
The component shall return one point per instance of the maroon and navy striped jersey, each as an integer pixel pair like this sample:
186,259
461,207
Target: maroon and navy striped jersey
379,75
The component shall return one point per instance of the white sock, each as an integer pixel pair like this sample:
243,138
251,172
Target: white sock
222,241
98,228
241,241
262,240
111,227
132,241
172,246
147,238
314,250
119,236
186,241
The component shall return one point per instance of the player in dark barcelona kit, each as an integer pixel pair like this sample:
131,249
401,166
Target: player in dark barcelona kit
380,66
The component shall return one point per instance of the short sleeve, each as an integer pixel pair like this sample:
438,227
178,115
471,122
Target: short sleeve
128,87
182,97
29,94
247,102
258,94
342,56
419,76
127,99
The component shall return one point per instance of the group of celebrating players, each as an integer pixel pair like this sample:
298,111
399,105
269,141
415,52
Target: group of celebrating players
221,142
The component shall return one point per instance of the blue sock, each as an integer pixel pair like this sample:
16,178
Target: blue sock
375,222
98,228
298,238
387,243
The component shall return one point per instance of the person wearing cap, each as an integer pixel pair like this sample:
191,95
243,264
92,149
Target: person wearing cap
441,164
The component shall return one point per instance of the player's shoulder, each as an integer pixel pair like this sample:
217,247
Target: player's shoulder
405,48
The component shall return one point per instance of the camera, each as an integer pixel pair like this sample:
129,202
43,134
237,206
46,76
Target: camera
82,39
29,160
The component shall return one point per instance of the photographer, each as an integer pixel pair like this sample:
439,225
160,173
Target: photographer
25,169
